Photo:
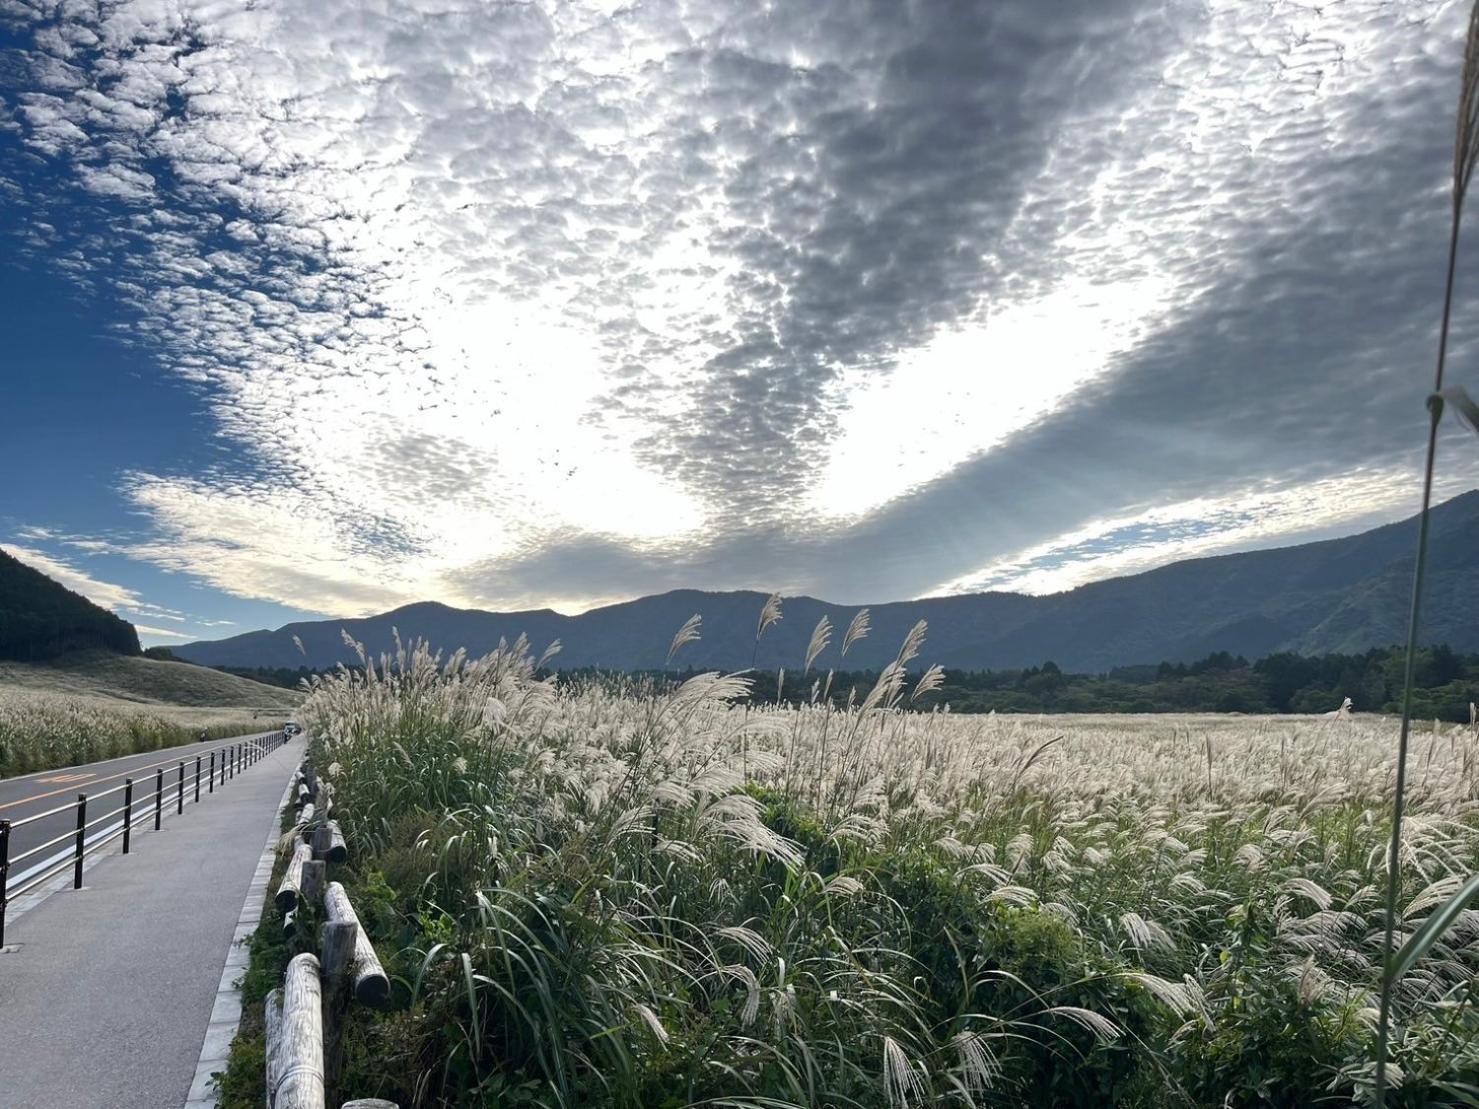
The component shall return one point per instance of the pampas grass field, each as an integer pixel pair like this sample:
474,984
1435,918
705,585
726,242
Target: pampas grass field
98,705
42,731
633,895
39,731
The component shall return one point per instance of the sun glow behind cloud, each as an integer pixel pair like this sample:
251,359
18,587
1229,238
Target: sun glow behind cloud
969,389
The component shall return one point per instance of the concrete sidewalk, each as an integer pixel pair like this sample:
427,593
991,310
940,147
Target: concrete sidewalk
107,999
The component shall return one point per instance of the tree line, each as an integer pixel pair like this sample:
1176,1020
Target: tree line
1446,684
41,619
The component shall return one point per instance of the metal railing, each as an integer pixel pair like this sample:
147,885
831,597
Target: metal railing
219,765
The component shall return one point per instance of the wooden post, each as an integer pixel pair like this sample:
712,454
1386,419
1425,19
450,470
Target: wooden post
298,1068
313,878
371,984
337,960
338,849
321,840
273,1025
370,1103
308,813
292,881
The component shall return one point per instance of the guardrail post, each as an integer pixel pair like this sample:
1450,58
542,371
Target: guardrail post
4,874
158,797
197,779
233,761
180,791
81,833
128,812
212,780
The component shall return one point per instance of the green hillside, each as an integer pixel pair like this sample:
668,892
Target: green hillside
41,619
142,681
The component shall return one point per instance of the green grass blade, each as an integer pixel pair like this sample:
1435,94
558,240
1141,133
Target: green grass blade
1438,922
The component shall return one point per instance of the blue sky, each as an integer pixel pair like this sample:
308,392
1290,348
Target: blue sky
323,309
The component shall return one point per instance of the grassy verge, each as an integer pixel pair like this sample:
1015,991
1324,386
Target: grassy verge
242,1085
372,1041
639,898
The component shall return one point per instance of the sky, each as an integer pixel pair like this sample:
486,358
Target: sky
321,309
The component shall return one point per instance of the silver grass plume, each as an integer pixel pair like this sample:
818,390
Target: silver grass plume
770,613
821,635
686,634
856,630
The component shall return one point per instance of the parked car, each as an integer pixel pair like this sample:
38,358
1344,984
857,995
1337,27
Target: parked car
291,728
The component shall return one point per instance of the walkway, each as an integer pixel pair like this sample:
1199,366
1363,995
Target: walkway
106,998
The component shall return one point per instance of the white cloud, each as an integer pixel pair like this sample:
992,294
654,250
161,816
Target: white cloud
1112,547
147,632
119,599
107,594
720,286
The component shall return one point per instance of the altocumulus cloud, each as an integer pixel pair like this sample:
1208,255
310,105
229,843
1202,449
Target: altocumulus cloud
547,303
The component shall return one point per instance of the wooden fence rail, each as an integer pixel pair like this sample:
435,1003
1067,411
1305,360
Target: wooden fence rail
306,1016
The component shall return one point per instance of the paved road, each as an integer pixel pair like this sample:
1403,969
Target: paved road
31,794
106,997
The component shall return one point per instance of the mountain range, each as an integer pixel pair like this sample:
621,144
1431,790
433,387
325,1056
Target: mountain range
1342,594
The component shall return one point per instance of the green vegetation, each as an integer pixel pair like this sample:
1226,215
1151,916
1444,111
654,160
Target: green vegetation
284,677
1283,683
41,619
242,1084
659,896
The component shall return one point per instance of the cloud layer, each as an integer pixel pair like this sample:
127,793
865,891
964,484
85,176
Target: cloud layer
550,304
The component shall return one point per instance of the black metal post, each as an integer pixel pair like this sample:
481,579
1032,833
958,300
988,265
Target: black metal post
128,812
4,874
158,797
197,779
212,779
81,832
180,792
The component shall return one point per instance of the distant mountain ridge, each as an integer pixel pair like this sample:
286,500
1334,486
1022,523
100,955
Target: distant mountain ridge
1335,595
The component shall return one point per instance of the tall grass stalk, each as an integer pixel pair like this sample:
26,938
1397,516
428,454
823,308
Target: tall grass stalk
1466,150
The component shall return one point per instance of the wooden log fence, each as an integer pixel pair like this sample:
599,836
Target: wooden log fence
371,983
305,1018
289,892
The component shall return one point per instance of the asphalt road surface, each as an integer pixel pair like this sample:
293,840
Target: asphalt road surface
30,795
108,995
